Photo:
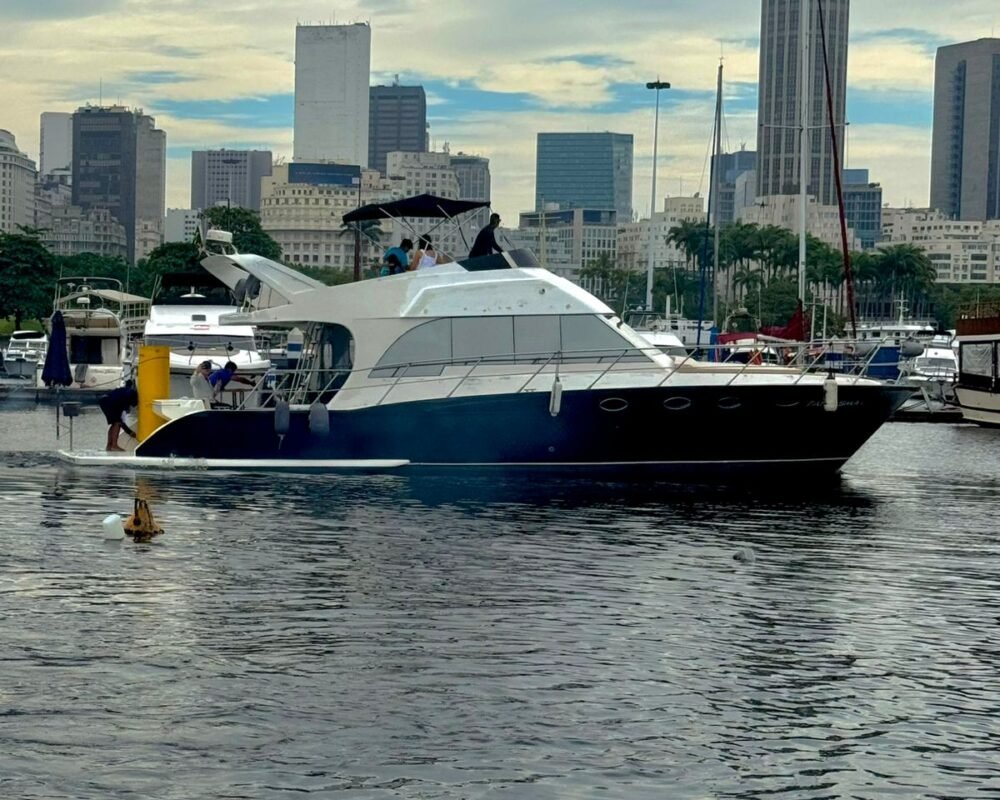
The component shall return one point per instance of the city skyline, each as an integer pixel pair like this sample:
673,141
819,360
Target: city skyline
533,69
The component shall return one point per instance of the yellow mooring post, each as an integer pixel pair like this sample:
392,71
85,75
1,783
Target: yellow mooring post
153,383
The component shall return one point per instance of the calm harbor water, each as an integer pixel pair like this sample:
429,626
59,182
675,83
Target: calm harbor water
423,637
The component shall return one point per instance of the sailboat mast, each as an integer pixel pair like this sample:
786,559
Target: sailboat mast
805,9
714,203
848,271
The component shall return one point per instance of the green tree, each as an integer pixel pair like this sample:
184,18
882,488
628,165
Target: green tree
619,287
777,301
371,236
911,275
691,238
244,225
27,276
92,265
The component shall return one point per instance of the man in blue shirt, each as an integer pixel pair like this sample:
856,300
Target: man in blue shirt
397,259
220,378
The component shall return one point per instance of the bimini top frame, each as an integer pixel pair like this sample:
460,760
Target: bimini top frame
421,206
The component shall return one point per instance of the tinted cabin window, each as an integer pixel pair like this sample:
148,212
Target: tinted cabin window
586,338
536,338
430,341
89,350
487,338
581,338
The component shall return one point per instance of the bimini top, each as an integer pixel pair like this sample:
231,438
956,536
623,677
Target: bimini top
423,205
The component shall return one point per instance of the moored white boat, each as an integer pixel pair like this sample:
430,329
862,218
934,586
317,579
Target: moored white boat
978,387
24,354
102,322
186,317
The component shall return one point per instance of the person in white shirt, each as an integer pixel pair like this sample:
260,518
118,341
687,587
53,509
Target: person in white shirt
426,256
201,389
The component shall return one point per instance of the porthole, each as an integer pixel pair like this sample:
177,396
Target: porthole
677,403
730,403
613,404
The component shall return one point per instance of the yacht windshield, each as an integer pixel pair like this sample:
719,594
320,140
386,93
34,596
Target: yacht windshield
202,342
935,363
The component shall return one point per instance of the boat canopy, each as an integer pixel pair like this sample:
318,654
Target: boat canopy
114,296
422,205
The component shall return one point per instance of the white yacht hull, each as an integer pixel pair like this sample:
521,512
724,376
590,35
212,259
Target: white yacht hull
20,367
979,406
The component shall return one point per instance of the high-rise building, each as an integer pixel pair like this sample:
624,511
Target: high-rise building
17,185
53,190
473,174
181,224
730,166
784,211
119,163
585,170
70,231
961,251
634,237
228,177
397,122
332,70
965,155
863,207
56,141
566,240
778,115
302,208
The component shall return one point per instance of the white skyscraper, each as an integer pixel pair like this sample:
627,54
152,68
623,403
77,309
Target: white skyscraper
332,72
56,141
17,185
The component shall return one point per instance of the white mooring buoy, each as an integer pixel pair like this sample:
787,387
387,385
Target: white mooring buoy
114,528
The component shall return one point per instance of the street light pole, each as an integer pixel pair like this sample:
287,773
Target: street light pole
655,86
357,238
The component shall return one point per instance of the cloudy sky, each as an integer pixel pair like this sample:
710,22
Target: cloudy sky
221,74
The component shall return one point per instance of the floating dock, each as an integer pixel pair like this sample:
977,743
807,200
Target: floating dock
25,391
128,460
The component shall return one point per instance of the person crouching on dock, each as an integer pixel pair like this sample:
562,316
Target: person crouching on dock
114,405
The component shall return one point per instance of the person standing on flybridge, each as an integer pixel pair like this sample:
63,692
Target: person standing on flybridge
486,240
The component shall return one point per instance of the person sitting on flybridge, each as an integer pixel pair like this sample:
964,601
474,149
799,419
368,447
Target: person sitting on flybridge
486,240
426,256
397,259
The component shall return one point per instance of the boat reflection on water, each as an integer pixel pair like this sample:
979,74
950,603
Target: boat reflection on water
325,497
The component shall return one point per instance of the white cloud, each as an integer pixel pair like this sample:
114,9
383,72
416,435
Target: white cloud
565,53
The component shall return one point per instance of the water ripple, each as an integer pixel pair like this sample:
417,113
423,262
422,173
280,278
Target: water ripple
427,637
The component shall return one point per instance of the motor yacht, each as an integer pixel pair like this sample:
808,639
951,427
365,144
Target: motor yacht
186,317
494,362
102,324
25,353
978,387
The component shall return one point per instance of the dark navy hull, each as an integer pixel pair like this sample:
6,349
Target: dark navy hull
687,430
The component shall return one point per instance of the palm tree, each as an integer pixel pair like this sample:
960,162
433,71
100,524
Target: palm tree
912,274
689,237
371,234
